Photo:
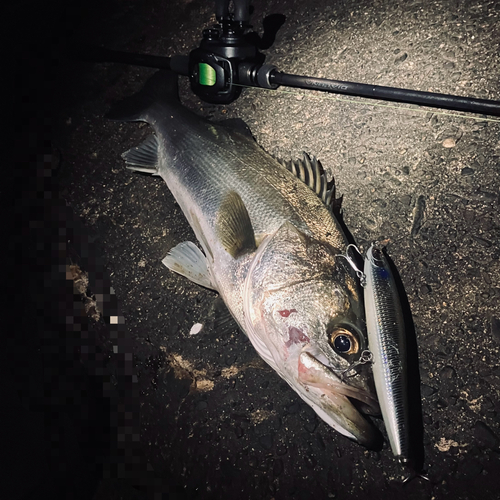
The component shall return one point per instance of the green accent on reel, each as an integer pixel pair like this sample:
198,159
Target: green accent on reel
206,75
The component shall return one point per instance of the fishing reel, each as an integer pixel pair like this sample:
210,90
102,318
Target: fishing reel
227,58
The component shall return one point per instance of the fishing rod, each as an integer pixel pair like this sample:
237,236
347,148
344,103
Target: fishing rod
228,59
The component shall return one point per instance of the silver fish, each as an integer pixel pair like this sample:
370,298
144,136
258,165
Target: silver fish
387,343
270,249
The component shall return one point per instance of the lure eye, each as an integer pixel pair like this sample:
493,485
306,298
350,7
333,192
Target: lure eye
343,341
378,257
377,253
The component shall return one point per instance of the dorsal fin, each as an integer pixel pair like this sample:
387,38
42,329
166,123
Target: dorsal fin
310,171
233,226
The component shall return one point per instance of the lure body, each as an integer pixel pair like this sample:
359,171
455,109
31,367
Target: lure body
387,343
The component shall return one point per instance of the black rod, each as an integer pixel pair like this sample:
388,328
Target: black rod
446,101
100,54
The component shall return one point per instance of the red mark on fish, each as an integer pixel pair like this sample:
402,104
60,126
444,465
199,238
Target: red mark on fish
286,312
296,336
302,369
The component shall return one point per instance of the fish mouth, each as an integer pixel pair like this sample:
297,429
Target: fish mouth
337,402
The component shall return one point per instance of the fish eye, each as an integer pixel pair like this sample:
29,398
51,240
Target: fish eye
343,341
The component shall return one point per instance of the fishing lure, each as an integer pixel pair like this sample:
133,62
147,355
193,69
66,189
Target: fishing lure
387,343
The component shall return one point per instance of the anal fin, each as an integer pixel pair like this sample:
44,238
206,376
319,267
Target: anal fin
223,321
189,261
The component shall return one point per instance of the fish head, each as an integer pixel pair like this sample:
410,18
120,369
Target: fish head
304,315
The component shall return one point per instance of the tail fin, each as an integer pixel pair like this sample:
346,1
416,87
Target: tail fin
161,86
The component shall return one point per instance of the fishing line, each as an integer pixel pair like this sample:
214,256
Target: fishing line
367,103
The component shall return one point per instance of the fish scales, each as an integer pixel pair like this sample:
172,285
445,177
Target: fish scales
271,193
277,196
270,248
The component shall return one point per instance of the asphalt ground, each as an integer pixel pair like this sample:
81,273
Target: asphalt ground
108,396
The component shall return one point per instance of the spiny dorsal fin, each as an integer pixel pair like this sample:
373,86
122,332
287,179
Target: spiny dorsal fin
143,158
233,226
310,171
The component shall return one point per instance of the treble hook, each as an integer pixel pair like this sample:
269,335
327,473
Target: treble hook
365,357
359,273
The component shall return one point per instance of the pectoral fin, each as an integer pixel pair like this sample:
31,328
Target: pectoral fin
188,260
234,227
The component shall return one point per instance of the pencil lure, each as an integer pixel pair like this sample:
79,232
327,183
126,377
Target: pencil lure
387,343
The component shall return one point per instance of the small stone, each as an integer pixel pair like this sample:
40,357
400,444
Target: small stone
379,202
427,390
473,271
449,142
320,441
253,462
240,418
202,405
311,425
281,449
370,224
495,328
485,437
469,469
266,441
195,329
277,467
401,58
467,171
487,195
311,461
230,359
441,403
469,215
448,372
406,199
482,241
